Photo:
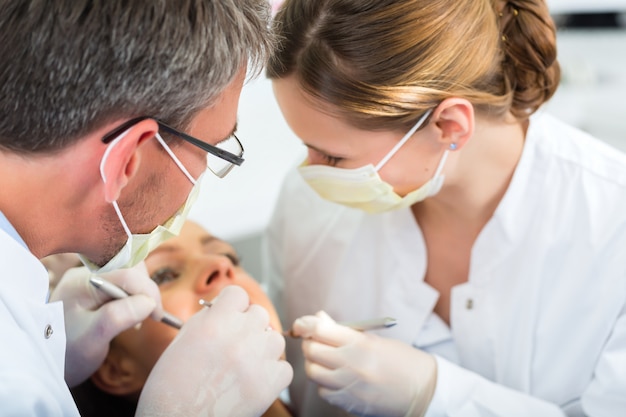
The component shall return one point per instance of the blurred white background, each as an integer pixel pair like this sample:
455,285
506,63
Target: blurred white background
238,207
594,6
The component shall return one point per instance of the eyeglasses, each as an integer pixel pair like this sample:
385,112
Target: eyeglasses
221,158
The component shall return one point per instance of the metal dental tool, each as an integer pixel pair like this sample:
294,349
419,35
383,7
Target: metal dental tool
205,303
363,325
116,292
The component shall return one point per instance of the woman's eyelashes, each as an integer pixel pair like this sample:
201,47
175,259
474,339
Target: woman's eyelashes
318,157
234,259
163,275
328,159
331,160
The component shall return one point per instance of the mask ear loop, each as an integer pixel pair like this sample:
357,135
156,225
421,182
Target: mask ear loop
403,140
104,179
103,175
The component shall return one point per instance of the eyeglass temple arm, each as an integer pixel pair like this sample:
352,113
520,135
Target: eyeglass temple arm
214,150
220,153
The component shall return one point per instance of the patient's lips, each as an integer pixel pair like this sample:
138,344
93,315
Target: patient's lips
257,296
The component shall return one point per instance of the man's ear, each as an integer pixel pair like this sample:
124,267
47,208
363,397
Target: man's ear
122,157
454,117
119,374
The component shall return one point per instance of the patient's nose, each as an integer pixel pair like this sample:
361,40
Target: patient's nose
217,273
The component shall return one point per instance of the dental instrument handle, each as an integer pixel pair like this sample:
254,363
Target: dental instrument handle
363,325
116,292
371,324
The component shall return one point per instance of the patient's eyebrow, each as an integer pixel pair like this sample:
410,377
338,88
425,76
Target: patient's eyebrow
224,248
165,248
205,240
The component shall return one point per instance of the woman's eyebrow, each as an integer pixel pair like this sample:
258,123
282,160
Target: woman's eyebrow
165,248
205,240
208,239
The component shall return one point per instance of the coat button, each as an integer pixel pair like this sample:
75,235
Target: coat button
469,304
48,331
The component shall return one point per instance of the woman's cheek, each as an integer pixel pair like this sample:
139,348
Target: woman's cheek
182,304
258,296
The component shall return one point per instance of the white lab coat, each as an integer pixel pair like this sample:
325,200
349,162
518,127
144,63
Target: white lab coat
31,364
539,329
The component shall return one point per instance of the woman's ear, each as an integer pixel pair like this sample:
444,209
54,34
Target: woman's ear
454,117
122,158
119,374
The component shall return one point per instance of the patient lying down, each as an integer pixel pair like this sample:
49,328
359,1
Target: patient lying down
187,268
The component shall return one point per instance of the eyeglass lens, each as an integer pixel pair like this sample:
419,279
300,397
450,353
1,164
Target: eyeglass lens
219,166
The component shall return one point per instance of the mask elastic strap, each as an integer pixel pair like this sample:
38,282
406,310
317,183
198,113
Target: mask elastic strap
403,140
104,179
107,151
176,160
119,215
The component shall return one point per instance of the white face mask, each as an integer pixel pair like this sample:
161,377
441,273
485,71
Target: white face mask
363,188
138,246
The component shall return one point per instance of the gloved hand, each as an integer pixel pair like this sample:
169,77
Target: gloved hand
92,319
58,264
364,373
223,362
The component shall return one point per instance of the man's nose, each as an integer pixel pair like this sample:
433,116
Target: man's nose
217,273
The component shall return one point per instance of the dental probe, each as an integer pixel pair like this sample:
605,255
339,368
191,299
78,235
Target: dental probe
205,303
363,325
116,292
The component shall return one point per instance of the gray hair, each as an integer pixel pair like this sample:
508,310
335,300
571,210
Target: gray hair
69,67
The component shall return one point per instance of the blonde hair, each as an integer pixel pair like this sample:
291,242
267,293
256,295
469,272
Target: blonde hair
382,63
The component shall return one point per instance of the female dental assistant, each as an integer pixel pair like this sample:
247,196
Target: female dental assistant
494,233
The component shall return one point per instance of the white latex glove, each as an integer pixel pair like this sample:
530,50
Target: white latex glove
223,362
364,373
58,264
92,319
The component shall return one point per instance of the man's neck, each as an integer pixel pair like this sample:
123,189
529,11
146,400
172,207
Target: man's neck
44,198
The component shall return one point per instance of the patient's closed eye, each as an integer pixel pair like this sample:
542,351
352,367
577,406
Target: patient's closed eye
163,275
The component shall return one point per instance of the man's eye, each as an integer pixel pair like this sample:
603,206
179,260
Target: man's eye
163,275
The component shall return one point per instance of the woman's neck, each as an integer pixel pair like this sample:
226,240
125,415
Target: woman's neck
477,176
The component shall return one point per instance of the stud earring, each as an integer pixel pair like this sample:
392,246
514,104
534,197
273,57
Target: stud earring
453,146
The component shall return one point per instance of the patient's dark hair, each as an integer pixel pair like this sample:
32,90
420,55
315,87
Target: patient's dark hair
93,402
